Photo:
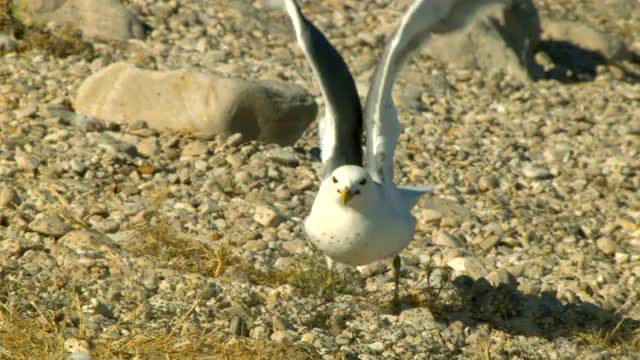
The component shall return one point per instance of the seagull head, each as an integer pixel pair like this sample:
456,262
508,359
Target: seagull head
349,185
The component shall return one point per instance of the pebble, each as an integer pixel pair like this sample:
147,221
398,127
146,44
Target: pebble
283,336
267,217
234,160
430,215
80,355
283,263
26,112
469,266
449,222
76,345
148,147
535,172
234,140
622,258
9,197
284,156
26,162
486,183
255,245
195,148
78,166
7,43
280,323
308,337
377,347
489,242
87,243
106,226
50,225
443,239
100,308
606,245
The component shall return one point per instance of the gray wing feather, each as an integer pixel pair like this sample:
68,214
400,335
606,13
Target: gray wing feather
341,128
423,18
410,195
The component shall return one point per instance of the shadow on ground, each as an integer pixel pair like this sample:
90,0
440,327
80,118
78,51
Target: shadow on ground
573,64
506,308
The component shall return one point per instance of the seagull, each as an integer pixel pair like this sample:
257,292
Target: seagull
359,215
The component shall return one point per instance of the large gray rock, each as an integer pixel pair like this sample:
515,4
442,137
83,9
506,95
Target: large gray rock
106,19
200,103
502,37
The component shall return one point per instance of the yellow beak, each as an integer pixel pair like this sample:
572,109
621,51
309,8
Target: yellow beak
345,195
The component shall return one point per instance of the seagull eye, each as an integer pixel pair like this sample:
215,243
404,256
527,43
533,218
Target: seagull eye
363,182
357,192
335,181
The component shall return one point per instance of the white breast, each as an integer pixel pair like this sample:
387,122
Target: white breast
358,238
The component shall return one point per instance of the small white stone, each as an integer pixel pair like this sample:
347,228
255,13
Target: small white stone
73,345
80,355
468,265
622,258
283,335
267,217
26,162
536,172
235,139
308,337
283,263
78,166
607,245
377,347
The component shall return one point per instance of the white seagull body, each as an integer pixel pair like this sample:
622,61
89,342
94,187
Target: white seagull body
359,215
374,224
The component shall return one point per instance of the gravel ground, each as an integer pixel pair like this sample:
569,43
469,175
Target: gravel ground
530,248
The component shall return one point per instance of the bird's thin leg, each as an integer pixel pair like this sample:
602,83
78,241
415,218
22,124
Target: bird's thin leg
330,269
396,278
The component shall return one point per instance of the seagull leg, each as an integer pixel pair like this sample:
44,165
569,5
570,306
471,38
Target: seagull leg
330,281
396,278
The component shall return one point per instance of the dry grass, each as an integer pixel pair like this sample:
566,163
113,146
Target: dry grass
25,338
35,332
623,338
64,210
199,346
6,18
309,274
439,296
41,337
159,239
61,42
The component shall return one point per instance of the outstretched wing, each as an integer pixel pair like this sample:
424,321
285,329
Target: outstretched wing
423,18
341,128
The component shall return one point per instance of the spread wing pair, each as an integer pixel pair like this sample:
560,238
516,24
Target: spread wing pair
341,128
